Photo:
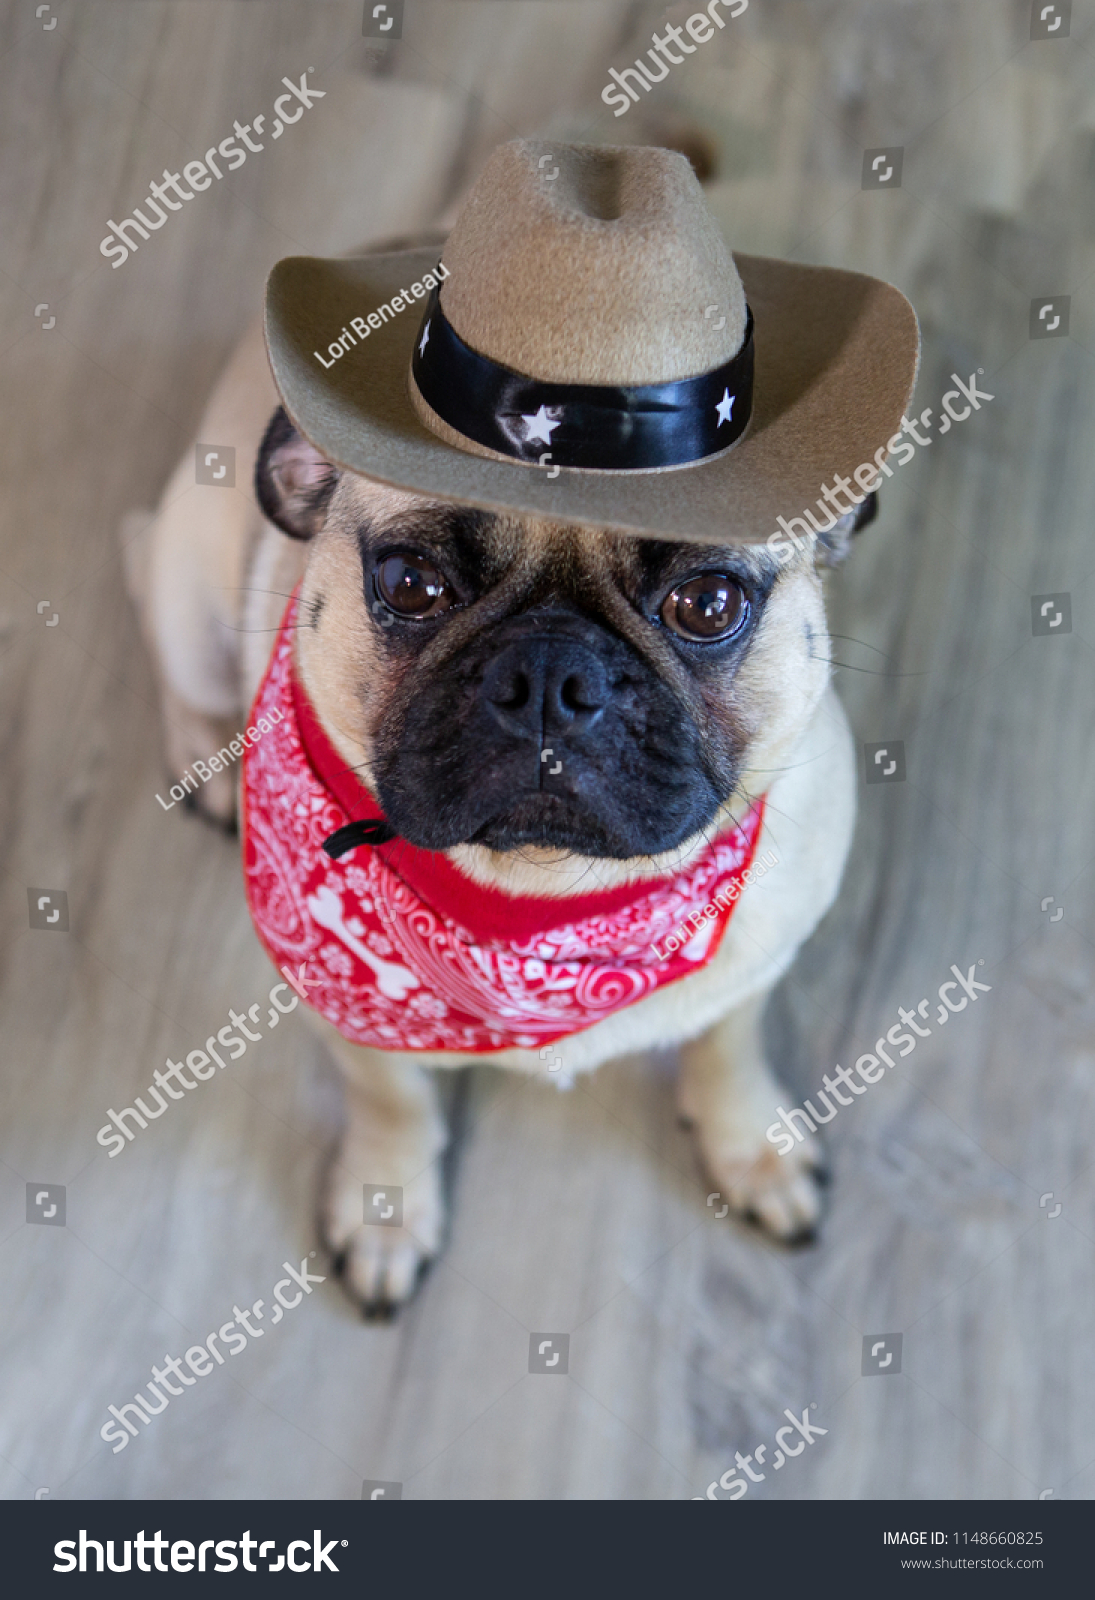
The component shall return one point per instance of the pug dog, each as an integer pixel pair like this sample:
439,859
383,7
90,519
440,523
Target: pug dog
443,645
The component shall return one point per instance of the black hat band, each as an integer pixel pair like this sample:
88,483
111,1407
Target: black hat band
614,428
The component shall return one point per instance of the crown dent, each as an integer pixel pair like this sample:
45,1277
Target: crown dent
593,265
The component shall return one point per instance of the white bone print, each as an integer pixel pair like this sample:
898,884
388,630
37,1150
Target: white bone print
391,979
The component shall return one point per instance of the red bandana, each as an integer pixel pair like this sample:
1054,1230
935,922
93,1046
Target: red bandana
404,952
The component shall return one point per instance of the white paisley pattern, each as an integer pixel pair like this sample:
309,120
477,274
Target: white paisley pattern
393,973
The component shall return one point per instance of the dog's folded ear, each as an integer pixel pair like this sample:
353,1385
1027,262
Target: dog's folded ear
834,545
293,482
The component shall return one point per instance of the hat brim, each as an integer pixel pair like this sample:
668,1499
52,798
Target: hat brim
836,361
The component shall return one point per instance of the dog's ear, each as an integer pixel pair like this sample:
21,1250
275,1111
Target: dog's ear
834,545
293,482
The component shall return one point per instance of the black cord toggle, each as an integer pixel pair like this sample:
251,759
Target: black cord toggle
343,840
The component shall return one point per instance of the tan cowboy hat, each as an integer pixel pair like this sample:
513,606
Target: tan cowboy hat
589,350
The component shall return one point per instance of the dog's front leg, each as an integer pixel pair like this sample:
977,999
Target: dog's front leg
730,1093
393,1141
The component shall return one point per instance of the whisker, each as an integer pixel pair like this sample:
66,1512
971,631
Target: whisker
250,589
848,638
847,666
295,627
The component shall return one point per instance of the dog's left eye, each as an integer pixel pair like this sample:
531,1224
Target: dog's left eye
413,587
710,606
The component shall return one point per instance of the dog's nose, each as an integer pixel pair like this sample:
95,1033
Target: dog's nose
543,686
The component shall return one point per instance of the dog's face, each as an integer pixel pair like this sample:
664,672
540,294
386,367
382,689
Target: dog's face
514,684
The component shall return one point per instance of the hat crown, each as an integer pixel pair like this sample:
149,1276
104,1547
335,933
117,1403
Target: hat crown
592,264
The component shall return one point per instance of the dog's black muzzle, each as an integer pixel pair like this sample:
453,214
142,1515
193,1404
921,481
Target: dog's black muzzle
547,730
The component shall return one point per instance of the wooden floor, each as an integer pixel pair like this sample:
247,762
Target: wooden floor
584,1212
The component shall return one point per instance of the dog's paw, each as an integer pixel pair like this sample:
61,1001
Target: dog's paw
380,1265
781,1194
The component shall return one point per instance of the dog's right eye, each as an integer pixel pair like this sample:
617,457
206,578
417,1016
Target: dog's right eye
413,587
710,606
